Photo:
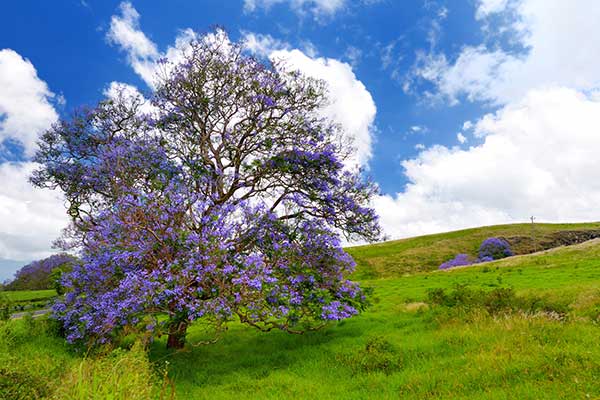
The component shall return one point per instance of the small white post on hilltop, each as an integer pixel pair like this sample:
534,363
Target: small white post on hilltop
533,233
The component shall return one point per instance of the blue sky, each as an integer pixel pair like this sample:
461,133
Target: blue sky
69,49
465,113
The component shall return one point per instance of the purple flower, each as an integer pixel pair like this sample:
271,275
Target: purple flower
494,248
459,260
228,201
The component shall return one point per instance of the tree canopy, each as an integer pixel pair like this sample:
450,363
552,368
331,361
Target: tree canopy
223,196
39,275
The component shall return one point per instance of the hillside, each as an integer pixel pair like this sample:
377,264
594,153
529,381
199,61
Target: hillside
405,347
525,327
425,253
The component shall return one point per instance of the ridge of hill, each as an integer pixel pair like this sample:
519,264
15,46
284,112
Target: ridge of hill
425,253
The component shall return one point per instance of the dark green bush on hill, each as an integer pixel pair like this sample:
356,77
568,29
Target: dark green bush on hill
496,301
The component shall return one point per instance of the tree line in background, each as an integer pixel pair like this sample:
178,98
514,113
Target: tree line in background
42,274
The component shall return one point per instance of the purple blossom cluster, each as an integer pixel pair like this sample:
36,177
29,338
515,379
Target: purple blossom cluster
226,202
493,249
138,265
37,275
458,261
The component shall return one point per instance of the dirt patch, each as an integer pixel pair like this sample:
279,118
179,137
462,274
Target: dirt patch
416,306
527,245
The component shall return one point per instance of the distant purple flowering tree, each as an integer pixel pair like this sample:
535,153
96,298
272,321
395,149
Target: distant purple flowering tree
493,249
37,275
459,260
227,201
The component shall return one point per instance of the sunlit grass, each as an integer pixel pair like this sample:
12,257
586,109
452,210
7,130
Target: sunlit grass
425,253
474,356
401,347
29,295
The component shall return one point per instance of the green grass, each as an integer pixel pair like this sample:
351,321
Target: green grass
401,347
29,295
37,364
425,253
430,353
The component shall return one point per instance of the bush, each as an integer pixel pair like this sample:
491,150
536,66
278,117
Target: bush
18,384
5,307
496,301
494,249
459,260
378,355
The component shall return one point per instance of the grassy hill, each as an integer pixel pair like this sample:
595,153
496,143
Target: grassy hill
426,253
525,327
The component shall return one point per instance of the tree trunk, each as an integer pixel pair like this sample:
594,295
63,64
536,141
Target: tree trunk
177,332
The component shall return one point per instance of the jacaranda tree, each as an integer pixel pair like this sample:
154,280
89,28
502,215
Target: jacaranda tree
38,275
224,200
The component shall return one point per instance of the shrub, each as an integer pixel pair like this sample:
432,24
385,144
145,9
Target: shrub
496,301
5,307
494,249
378,355
459,260
18,384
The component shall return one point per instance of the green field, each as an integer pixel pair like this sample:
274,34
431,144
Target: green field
403,346
29,295
425,253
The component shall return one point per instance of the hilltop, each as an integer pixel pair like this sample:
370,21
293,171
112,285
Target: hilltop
425,253
522,327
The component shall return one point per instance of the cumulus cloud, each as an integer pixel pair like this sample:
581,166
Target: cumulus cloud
538,157
559,49
129,93
142,53
316,7
262,45
31,218
351,105
537,151
125,32
487,7
25,102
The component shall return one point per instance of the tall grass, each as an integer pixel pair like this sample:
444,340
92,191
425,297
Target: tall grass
525,327
37,364
120,375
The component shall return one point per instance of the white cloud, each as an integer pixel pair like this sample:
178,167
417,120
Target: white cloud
351,104
316,7
561,50
25,102
142,53
487,7
262,45
353,54
125,32
129,93
31,218
462,139
538,157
